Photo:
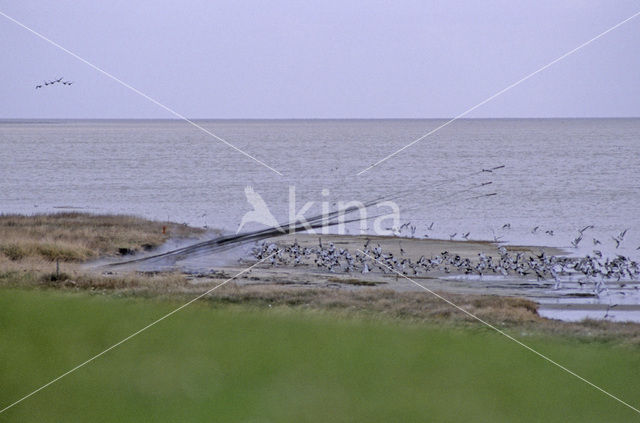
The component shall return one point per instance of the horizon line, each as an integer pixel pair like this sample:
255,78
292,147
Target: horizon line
313,118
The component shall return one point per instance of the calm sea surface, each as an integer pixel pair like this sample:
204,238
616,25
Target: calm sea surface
560,175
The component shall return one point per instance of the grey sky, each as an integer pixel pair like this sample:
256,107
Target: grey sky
286,59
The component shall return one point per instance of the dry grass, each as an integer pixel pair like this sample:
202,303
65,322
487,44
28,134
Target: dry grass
30,246
78,237
406,305
517,316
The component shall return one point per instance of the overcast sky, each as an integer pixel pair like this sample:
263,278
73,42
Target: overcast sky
325,59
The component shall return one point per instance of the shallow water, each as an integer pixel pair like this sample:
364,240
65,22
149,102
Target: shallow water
560,174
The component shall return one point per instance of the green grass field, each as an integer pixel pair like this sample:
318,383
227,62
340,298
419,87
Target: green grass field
236,363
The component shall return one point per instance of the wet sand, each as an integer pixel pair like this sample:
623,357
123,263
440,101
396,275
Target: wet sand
567,301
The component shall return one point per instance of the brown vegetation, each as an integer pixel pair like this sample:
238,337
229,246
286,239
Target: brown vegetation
518,317
30,247
78,237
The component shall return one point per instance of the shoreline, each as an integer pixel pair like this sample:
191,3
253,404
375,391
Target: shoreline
79,271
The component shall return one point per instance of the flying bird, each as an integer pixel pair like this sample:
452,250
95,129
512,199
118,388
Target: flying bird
47,83
617,241
622,234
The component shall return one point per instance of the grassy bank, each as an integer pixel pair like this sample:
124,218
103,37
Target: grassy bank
34,248
30,246
239,363
78,237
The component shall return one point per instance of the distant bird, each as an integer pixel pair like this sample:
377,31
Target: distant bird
609,309
534,230
430,227
55,81
585,228
576,241
493,168
622,234
506,226
549,232
617,241
453,235
596,242
466,236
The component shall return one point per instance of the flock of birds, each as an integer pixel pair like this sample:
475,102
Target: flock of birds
55,81
590,268
409,229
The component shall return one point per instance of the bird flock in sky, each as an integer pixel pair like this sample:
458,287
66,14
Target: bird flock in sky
55,81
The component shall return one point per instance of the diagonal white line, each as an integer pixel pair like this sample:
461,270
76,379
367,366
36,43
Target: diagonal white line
466,112
489,325
154,101
132,335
